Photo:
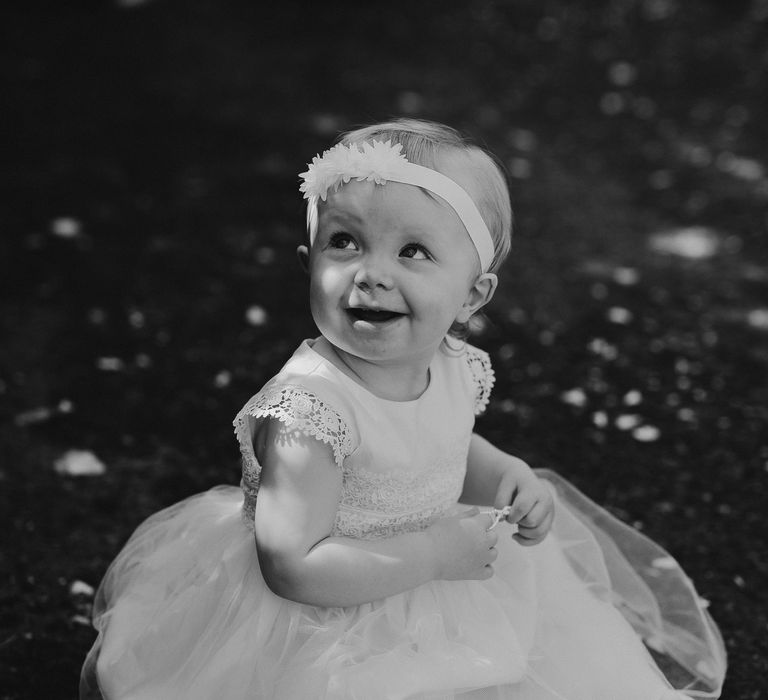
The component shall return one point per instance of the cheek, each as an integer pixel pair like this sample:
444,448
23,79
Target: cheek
329,281
326,286
440,302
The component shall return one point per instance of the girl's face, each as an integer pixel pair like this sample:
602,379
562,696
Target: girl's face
391,269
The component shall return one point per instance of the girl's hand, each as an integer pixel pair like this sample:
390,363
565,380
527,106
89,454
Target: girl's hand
464,548
533,508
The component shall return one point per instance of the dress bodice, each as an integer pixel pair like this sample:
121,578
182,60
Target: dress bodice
402,462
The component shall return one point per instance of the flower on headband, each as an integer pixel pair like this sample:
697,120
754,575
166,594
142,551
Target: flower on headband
377,162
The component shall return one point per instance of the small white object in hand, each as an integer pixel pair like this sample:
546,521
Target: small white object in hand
499,514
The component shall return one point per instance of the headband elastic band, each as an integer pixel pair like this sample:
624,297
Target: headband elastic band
381,162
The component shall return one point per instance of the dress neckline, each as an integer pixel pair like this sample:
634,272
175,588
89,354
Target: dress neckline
360,388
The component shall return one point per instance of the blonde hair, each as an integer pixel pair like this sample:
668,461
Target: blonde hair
429,144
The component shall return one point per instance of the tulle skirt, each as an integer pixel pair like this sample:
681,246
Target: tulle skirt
595,612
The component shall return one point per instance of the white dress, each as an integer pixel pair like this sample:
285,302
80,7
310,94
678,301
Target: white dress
184,612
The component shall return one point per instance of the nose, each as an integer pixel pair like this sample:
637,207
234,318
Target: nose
373,273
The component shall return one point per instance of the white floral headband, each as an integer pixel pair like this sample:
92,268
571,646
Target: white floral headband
381,162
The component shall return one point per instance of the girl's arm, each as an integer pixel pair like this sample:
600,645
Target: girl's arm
499,479
295,513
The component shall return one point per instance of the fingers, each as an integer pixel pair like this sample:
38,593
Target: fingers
522,505
465,549
490,554
487,570
535,515
491,536
533,511
533,528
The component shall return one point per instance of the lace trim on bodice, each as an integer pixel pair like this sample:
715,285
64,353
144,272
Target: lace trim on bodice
295,407
482,372
382,504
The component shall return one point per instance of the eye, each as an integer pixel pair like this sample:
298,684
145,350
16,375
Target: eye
342,241
415,252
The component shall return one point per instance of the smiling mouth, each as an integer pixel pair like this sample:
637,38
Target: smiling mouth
373,315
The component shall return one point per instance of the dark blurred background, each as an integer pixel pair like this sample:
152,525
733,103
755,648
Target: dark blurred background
148,284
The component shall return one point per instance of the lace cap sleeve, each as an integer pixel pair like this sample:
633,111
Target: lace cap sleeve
300,409
482,373
296,407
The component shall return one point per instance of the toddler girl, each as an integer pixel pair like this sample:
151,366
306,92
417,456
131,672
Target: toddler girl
344,567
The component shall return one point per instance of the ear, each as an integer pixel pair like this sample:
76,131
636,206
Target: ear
302,253
478,296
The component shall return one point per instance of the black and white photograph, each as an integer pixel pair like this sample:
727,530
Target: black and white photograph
384,351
